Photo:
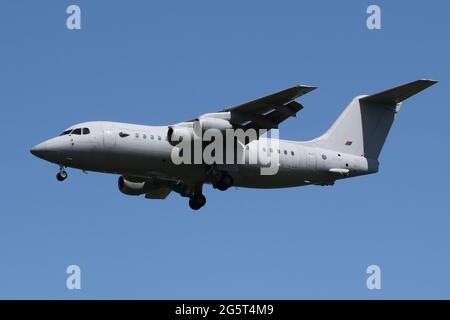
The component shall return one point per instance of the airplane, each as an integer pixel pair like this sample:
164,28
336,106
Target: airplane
142,155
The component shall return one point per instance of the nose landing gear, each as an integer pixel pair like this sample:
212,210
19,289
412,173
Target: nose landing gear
62,174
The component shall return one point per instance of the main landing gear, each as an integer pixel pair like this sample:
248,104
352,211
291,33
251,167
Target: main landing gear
197,201
62,174
196,197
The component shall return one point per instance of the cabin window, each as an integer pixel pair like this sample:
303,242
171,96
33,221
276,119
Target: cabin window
278,150
271,150
264,149
86,131
137,135
292,153
77,131
159,137
152,137
285,152
144,136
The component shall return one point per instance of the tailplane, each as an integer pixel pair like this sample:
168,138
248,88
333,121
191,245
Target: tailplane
364,125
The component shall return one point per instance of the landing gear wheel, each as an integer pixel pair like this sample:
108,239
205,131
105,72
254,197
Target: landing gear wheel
61,176
200,199
197,201
193,205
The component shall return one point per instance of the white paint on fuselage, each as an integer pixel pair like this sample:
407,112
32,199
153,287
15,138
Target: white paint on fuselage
143,151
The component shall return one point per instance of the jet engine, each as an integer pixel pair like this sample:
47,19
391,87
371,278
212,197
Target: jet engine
195,129
203,124
132,188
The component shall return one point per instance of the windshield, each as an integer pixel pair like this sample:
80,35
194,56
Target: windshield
66,132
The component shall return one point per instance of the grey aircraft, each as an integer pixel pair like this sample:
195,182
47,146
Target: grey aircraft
143,155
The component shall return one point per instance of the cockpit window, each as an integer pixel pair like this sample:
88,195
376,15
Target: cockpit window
77,131
86,131
66,132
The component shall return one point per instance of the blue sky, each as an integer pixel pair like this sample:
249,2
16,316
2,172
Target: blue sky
160,62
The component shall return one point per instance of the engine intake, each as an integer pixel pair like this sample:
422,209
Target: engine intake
133,188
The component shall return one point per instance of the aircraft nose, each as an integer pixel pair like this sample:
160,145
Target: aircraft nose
38,150
45,150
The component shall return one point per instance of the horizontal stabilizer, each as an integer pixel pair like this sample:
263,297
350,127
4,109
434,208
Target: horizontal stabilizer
398,94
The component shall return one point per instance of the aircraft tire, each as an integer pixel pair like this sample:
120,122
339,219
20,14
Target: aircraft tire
61,176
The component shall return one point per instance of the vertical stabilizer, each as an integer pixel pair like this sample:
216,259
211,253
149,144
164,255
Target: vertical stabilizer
364,125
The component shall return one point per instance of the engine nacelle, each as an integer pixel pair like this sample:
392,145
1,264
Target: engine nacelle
203,124
132,188
196,129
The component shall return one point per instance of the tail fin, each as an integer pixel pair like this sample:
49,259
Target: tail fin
364,125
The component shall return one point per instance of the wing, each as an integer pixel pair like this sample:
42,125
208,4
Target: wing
264,113
268,112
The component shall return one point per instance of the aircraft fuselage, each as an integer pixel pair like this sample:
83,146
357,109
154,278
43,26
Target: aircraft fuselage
144,151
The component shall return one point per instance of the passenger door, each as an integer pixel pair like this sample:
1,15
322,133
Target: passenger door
311,160
109,138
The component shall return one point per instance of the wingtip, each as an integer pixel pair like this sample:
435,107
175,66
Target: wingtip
307,88
431,81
